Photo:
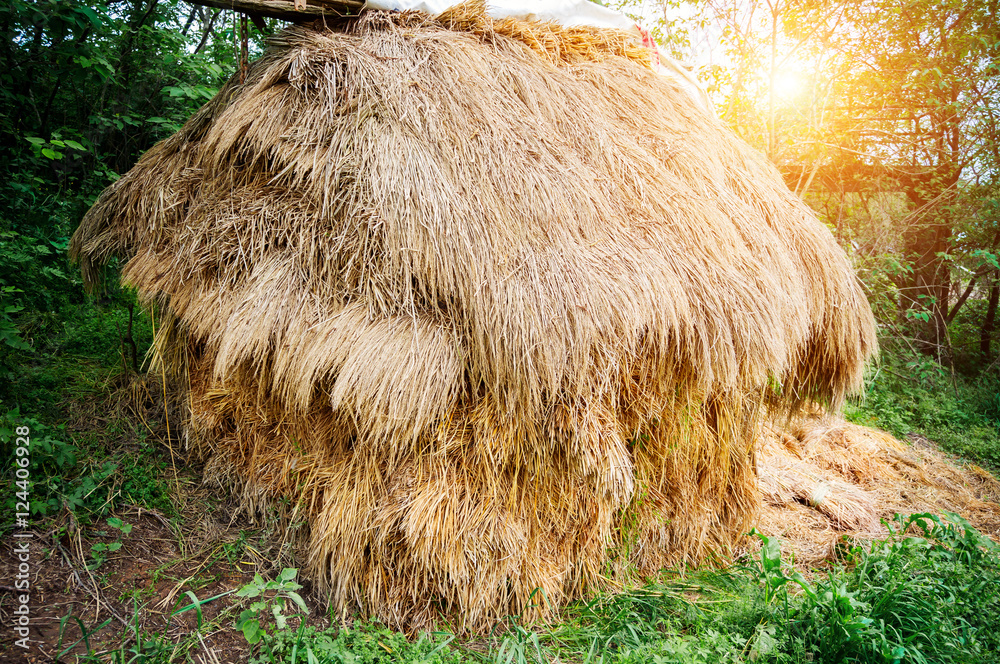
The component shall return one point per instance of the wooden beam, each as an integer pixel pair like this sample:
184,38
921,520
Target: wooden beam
258,22
286,10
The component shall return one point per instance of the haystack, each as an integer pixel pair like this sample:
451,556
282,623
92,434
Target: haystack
494,305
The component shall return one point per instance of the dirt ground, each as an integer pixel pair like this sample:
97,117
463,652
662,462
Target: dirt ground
136,591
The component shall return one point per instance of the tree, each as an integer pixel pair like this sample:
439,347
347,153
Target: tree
921,92
895,122
85,88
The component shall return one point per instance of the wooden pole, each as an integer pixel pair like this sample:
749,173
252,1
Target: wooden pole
287,10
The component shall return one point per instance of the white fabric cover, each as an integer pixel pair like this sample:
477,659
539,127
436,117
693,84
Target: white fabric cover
569,13
565,12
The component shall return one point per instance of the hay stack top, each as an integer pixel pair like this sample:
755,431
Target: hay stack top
401,210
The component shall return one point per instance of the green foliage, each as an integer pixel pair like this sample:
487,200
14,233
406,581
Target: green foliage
932,597
85,634
366,644
142,648
32,277
99,551
64,476
520,646
911,393
307,645
138,647
917,599
284,587
85,89
10,335
53,463
73,351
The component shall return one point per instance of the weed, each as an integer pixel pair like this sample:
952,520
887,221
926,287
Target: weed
365,644
249,622
99,551
85,634
66,476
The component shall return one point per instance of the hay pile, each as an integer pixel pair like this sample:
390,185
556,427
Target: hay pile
497,307
823,479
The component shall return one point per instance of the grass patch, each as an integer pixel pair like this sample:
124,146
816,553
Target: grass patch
909,393
930,592
85,479
932,595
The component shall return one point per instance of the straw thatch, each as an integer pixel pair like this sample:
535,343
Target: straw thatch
497,307
823,479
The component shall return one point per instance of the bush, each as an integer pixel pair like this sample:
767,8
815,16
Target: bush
910,393
61,474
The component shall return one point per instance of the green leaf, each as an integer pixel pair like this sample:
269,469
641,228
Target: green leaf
197,606
248,590
251,631
280,621
51,154
297,599
93,16
288,574
73,144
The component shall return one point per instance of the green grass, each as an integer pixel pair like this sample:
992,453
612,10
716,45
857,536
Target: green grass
80,475
908,393
930,592
930,598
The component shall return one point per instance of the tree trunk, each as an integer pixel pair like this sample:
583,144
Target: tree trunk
927,289
989,322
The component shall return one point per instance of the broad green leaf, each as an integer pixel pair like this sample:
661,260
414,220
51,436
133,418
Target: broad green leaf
93,16
248,590
299,602
251,631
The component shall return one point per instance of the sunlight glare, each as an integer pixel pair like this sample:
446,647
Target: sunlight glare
788,83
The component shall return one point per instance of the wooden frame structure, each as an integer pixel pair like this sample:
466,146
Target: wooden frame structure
298,11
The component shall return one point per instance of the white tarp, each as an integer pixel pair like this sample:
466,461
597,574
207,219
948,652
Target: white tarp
569,13
565,12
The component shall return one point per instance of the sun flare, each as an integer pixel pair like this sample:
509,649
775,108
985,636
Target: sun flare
788,83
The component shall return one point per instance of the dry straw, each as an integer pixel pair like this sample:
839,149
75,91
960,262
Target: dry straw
824,480
497,307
